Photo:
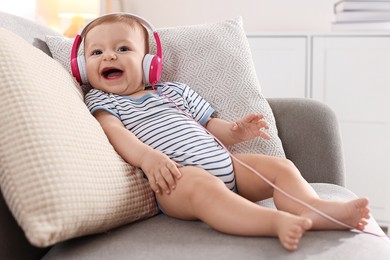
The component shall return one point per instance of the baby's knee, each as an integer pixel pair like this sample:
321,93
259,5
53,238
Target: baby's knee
287,163
288,166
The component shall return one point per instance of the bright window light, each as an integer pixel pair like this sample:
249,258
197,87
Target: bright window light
24,8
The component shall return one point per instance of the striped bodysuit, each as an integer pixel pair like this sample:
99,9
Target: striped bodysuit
158,123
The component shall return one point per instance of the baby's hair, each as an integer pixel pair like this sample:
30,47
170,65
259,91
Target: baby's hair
113,18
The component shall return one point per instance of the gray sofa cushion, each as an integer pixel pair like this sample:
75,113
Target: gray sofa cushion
162,237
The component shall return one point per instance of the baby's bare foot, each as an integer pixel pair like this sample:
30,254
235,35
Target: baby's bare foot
290,229
353,214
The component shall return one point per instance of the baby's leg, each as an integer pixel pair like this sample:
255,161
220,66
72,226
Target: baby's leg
200,195
286,176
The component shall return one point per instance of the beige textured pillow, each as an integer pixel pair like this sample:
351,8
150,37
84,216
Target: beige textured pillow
59,175
215,60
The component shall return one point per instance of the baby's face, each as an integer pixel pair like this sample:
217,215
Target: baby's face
113,55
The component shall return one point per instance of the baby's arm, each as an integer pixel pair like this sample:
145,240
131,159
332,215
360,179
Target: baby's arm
161,171
244,129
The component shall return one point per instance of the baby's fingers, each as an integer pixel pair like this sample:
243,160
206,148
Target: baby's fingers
263,125
253,118
168,176
264,135
174,169
166,181
154,185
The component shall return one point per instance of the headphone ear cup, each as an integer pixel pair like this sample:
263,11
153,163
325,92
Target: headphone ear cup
82,69
152,67
147,61
75,69
78,69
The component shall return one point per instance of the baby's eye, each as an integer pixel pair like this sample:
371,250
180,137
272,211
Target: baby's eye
96,52
123,49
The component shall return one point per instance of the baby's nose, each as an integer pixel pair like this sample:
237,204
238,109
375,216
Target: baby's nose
110,55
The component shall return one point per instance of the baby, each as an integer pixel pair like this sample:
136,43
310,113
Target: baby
193,177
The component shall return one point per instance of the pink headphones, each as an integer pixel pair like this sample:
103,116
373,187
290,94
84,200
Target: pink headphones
152,64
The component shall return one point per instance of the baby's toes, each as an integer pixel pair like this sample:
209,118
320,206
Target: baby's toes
291,243
365,213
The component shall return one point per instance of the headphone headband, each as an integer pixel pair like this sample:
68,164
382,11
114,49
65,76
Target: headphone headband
152,64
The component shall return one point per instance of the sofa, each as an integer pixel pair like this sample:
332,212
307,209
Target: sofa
309,136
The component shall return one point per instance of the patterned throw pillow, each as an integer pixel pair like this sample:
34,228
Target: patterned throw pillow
215,60
59,174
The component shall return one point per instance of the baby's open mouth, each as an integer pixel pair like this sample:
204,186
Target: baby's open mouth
111,73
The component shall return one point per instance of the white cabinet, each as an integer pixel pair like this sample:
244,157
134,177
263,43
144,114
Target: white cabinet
350,73
280,64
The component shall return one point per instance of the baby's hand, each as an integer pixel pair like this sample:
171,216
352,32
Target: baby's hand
161,171
250,127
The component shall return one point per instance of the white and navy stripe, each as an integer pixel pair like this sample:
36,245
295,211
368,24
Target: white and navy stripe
158,123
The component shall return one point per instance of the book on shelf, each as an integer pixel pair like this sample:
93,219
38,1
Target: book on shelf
361,26
360,5
355,16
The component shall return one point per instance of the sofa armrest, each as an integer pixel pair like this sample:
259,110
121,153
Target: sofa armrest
311,138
